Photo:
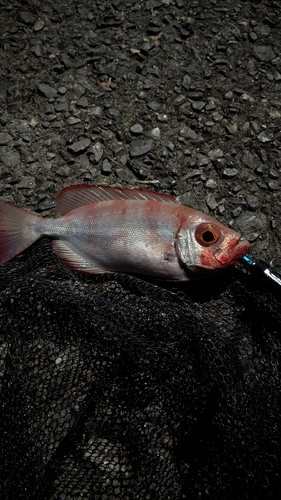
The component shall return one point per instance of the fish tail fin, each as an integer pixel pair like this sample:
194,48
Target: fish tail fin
17,230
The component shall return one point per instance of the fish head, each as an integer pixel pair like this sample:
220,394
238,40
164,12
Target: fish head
206,246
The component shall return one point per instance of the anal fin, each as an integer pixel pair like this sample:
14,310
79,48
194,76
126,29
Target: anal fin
76,261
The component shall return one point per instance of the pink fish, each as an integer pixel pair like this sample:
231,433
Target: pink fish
105,229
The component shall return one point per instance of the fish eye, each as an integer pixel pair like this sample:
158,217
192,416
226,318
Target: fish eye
207,234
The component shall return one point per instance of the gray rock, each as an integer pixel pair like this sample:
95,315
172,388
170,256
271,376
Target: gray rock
252,201
136,129
236,212
251,237
46,90
113,113
198,105
78,89
248,160
37,50
229,172
155,133
167,183
203,162
46,204
188,133
211,104
26,183
97,111
79,146
215,153
185,199
263,53
39,25
211,184
3,91
211,201
262,30
82,103
26,18
119,151
273,185
96,151
5,138
124,174
11,159
229,95
262,137
249,222
170,146
140,147
106,167
61,106
162,117
153,105
186,81
63,171
66,61
138,169
72,120
231,128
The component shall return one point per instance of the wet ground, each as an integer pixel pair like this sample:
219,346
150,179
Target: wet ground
177,96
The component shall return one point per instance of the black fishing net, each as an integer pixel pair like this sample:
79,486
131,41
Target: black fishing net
116,388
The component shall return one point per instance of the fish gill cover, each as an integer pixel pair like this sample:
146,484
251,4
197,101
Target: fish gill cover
112,387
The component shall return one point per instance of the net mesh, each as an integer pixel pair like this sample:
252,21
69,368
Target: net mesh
116,388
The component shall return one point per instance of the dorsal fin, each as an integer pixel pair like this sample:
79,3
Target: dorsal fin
82,194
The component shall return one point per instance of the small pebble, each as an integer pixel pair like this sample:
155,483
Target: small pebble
248,160
39,25
155,133
229,172
79,146
136,129
162,117
273,185
215,153
96,152
263,53
252,201
11,159
211,184
26,183
106,167
140,147
46,90
203,162
63,171
188,133
5,138
167,183
263,137
211,201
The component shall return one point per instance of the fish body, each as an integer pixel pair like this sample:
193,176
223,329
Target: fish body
105,230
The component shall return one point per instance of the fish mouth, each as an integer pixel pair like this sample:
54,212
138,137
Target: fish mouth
232,252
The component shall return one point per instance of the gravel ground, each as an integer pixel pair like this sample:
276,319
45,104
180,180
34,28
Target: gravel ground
177,96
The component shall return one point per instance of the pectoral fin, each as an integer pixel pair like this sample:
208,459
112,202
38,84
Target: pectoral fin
75,260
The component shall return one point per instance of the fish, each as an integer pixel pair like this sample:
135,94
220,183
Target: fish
104,229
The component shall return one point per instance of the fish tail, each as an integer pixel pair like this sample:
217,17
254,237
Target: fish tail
18,230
